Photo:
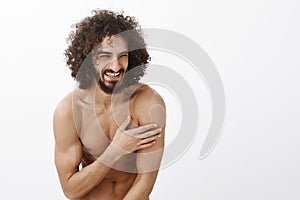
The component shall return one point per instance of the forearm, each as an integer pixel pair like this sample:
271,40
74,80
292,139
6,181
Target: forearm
141,188
138,193
81,182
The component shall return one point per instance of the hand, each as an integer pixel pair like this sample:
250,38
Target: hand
137,138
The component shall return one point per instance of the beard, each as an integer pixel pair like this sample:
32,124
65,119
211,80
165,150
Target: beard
112,86
105,88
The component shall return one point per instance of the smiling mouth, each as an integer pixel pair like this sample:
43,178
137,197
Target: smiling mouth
111,75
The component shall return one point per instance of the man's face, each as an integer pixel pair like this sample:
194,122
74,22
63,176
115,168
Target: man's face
111,62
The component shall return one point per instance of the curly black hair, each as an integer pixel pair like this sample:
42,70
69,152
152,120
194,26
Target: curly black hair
91,31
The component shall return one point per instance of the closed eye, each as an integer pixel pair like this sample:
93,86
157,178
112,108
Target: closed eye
125,55
104,56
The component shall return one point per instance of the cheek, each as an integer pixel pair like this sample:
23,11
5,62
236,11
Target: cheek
124,61
101,62
99,72
100,66
98,69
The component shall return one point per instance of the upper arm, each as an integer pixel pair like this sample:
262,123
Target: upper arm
68,148
150,108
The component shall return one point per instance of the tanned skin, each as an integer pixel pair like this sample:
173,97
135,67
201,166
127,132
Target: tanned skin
142,133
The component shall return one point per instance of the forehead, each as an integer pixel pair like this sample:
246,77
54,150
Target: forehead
113,44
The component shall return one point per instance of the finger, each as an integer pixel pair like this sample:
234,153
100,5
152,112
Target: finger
125,123
147,145
141,129
149,139
149,133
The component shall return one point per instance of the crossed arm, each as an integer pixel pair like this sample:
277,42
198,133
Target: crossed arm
68,156
68,151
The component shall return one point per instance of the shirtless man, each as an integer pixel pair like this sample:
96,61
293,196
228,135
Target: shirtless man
108,145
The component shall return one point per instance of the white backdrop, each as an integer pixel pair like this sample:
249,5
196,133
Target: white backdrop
255,46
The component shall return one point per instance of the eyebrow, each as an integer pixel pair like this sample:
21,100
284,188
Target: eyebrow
110,53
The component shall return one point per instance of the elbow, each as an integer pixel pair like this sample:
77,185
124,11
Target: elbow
72,195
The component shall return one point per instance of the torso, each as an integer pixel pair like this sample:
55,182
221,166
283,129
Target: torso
96,130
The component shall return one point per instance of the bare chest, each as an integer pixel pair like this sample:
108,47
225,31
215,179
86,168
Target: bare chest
107,125
98,132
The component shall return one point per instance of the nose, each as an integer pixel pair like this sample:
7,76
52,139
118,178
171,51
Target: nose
115,65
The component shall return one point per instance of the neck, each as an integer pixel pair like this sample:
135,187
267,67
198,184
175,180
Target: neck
102,99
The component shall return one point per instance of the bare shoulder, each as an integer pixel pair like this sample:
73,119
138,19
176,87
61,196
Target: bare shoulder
145,95
148,106
63,110
63,123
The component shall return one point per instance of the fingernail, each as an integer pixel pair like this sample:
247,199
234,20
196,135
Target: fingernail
159,135
155,125
159,129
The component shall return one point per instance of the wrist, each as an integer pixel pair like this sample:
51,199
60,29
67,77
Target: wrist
111,155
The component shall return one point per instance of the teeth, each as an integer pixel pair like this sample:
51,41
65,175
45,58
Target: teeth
112,74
